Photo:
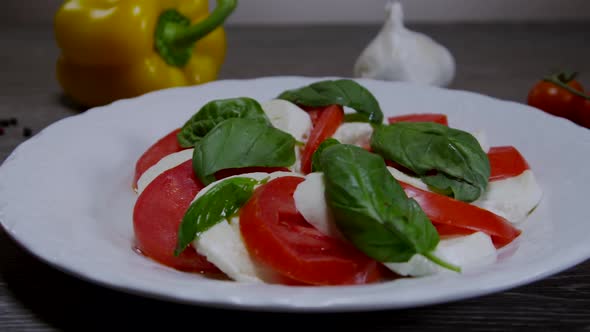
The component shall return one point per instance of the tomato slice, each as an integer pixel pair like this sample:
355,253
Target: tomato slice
448,211
277,235
506,162
165,146
424,117
158,213
444,229
314,113
330,118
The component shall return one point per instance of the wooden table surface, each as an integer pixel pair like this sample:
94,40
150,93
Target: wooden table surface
502,61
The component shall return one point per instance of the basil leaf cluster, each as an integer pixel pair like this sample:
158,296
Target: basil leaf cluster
220,203
215,112
462,167
238,143
340,92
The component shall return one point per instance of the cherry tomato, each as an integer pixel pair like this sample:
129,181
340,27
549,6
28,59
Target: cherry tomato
448,211
425,117
554,99
165,146
506,162
583,112
277,235
158,213
327,123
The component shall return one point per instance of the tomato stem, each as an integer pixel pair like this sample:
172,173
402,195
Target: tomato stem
436,260
557,79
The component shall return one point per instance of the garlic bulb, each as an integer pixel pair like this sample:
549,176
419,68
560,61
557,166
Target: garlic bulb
398,54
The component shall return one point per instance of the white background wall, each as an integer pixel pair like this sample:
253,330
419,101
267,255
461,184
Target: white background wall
371,11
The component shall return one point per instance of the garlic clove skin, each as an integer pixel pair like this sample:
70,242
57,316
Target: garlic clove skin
399,54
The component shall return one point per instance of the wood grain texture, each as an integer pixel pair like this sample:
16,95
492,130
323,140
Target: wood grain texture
498,60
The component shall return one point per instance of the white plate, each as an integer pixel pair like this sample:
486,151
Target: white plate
66,196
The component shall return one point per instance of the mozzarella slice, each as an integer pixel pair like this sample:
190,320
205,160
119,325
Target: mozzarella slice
311,203
512,198
170,161
355,133
224,246
290,118
467,252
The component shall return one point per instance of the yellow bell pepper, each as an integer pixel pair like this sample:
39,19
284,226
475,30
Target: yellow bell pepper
113,49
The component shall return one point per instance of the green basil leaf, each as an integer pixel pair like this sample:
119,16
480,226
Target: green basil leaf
355,117
315,158
219,203
237,143
462,166
370,207
340,92
216,111
445,185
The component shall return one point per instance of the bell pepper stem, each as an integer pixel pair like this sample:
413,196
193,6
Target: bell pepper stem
187,35
175,37
561,81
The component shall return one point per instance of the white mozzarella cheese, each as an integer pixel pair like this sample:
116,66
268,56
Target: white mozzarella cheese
291,119
170,161
224,246
512,198
288,117
355,133
467,252
311,203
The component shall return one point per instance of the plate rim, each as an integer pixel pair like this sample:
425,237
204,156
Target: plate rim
277,307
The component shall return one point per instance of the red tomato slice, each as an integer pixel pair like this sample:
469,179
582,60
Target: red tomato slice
425,117
224,173
314,113
277,235
506,162
447,211
158,213
165,146
327,123
443,229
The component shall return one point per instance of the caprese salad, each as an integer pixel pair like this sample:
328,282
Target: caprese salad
296,190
